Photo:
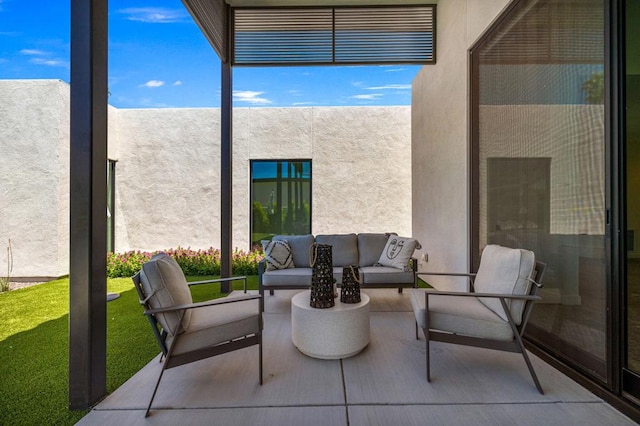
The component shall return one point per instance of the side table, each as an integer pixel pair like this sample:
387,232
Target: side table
338,332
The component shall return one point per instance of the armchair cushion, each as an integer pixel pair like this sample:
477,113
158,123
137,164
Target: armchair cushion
162,279
344,251
212,325
460,315
299,245
505,271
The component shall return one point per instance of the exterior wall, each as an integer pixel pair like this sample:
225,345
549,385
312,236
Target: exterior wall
168,172
168,193
34,183
440,180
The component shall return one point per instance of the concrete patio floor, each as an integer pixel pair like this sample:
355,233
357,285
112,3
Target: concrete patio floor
383,385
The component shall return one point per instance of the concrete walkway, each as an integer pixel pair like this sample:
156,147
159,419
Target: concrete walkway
383,385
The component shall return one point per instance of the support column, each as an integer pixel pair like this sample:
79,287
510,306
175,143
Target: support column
226,176
88,204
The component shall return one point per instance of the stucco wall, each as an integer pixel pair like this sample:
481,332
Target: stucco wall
168,190
440,217
34,178
168,172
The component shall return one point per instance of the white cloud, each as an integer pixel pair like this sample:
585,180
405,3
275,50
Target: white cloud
250,97
153,83
371,96
49,62
154,15
395,70
35,52
302,103
391,87
177,83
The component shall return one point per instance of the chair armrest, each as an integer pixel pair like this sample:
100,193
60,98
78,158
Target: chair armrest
470,275
221,301
221,280
472,294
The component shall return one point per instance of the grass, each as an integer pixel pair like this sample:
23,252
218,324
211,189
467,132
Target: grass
34,347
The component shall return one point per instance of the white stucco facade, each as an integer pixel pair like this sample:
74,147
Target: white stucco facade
168,172
440,157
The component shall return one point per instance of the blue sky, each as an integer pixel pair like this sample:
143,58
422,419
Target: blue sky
159,58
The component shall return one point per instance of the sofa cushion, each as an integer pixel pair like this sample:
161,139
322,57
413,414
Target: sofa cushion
295,277
344,250
504,271
461,315
385,275
277,255
165,286
370,248
397,252
299,245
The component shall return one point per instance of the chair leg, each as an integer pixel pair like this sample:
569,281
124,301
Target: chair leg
271,293
529,365
426,338
155,389
260,358
416,324
399,289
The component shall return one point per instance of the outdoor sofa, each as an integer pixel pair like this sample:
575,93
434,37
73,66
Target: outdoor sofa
383,261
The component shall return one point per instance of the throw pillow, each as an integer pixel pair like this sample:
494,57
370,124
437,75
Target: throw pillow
398,251
277,255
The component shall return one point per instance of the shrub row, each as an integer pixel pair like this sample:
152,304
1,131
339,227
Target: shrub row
192,262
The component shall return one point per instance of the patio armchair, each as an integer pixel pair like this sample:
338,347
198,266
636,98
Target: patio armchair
187,331
493,314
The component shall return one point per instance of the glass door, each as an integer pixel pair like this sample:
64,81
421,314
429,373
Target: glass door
631,374
539,171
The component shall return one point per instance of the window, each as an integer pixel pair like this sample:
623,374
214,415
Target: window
111,205
280,198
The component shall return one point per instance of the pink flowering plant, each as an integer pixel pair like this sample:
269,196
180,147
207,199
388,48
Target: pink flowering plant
192,262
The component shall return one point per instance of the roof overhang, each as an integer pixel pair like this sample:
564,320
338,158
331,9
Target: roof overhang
329,32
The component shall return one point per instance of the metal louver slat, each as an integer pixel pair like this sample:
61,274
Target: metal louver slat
341,35
211,17
282,36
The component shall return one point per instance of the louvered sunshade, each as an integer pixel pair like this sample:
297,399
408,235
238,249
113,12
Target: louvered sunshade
339,35
536,35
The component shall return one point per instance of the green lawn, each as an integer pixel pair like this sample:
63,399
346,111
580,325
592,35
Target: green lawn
34,347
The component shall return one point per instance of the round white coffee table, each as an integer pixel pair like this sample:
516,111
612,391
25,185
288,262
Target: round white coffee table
332,333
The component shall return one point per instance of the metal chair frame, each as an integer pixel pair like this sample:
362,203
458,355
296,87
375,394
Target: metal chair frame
162,335
515,345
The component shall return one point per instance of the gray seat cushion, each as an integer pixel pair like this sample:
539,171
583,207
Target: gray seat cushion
385,275
370,248
344,250
299,245
460,315
505,271
296,277
162,279
212,325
